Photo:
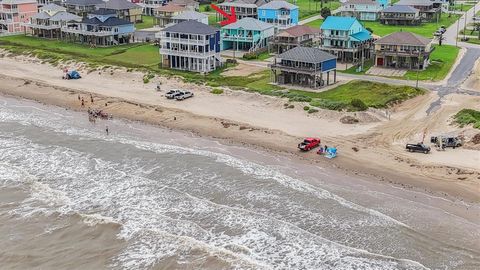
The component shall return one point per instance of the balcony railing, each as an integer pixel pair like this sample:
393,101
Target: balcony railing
307,70
237,38
6,21
41,26
164,38
9,10
88,33
165,51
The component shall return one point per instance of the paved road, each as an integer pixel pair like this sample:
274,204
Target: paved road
451,34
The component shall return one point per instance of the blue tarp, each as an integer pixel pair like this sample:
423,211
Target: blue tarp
73,74
331,152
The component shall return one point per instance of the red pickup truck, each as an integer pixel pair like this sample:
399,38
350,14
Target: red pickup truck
308,144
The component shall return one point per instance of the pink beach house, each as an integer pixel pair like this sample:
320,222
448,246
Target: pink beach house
14,13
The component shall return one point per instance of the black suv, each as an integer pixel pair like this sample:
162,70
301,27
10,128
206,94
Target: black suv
419,147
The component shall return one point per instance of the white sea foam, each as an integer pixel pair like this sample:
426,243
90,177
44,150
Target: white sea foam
160,220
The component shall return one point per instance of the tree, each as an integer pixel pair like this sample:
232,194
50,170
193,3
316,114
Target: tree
325,12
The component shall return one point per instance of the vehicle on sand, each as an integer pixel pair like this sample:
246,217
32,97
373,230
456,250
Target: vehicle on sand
417,147
308,144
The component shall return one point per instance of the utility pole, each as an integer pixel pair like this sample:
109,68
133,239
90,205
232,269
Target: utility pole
418,70
456,39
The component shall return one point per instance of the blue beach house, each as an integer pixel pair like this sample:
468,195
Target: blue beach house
365,10
247,34
346,38
101,27
279,13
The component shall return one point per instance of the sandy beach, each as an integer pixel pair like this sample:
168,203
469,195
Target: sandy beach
373,147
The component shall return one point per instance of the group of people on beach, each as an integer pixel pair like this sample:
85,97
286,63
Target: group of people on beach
93,114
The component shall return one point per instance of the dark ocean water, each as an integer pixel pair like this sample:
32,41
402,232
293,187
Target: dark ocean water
144,197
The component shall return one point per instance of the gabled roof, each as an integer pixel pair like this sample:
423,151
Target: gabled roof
120,5
338,23
170,8
53,7
65,17
361,36
279,5
244,3
42,16
17,2
191,27
415,3
362,2
190,15
249,24
404,38
184,2
112,21
400,9
84,2
103,11
307,55
298,31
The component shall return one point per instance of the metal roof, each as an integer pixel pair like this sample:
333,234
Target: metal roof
249,24
415,3
338,23
190,15
120,5
307,55
191,27
84,2
53,7
362,2
278,5
112,21
404,38
361,36
42,16
400,9
298,31
65,17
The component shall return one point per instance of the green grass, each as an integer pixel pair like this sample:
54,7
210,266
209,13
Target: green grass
462,7
353,70
212,21
308,8
468,116
145,57
316,23
442,59
426,29
372,94
474,41
147,22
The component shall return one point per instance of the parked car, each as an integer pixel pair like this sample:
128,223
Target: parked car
308,144
184,95
447,141
172,93
418,147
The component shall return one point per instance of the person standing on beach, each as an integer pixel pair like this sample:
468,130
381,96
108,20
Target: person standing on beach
83,102
106,129
91,98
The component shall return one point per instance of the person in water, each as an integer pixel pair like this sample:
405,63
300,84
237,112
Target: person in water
106,130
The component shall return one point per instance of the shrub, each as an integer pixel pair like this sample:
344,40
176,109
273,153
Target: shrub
208,8
358,104
325,12
312,110
467,117
306,108
250,56
217,91
328,104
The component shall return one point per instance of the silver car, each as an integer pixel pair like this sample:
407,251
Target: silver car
184,95
172,93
